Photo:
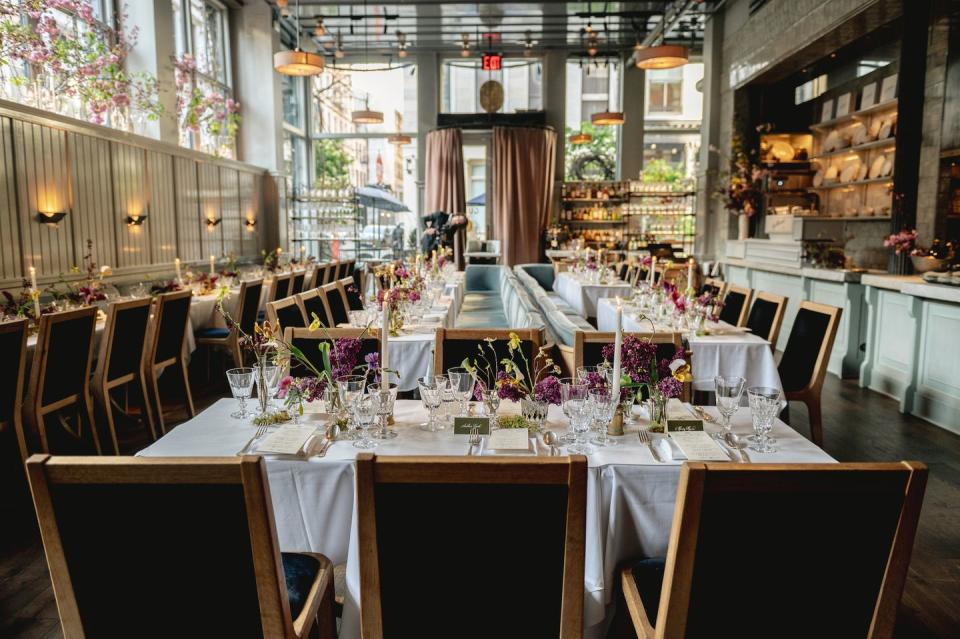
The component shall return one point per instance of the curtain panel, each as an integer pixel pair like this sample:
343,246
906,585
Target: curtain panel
444,189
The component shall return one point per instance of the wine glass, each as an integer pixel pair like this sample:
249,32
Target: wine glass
584,373
386,396
568,437
461,382
351,389
603,404
365,408
241,385
576,404
764,408
729,390
430,393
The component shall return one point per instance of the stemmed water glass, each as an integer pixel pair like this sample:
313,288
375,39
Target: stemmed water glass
351,390
729,390
576,404
764,408
461,382
431,394
385,397
365,408
584,372
602,404
241,385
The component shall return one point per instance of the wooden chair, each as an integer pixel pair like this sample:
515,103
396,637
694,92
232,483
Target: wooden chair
310,282
453,345
244,313
13,344
330,274
336,303
736,303
120,362
321,276
842,533
60,375
166,348
282,289
424,506
296,282
194,536
588,346
803,365
766,316
314,302
713,286
286,313
307,341
351,293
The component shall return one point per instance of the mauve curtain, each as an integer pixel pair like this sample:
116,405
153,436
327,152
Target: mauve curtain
523,173
444,181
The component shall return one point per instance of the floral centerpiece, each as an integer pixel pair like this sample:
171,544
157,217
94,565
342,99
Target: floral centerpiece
204,110
903,242
165,286
271,259
22,304
86,291
400,287
742,188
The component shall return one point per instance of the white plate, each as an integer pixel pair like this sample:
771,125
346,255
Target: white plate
782,150
862,172
885,131
818,178
887,165
830,144
874,129
876,168
849,172
831,174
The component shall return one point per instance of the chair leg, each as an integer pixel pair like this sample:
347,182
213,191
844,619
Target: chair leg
147,411
88,408
816,420
155,389
186,387
103,398
21,436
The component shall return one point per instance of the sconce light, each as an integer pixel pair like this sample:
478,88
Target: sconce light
212,223
136,220
250,224
50,218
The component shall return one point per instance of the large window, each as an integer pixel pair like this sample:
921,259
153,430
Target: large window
593,86
665,91
201,36
520,78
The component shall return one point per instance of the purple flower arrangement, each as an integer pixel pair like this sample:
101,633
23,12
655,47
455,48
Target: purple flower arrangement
639,365
515,377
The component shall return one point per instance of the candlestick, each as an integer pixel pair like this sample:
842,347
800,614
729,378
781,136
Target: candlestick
617,346
35,293
176,265
213,269
385,346
690,273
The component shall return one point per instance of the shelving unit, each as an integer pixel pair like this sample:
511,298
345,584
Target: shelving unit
327,222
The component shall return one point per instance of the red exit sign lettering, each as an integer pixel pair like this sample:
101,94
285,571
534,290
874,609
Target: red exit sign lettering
492,61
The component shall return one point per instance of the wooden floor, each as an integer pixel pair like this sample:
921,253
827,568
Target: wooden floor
859,425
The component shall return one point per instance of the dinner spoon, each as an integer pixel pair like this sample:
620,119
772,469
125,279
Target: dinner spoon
550,439
331,435
735,441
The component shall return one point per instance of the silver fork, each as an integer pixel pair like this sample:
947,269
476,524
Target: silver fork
646,439
261,431
474,439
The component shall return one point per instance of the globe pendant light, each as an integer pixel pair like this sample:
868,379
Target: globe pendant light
297,62
662,56
607,118
366,115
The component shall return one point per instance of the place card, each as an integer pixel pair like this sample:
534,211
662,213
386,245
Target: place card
698,446
464,425
869,96
888,88
827,112
679,418
514,440
286,440
843,105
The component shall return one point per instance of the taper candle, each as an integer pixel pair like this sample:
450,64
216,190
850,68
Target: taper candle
35,293
176,265
617,347
213,268
385,346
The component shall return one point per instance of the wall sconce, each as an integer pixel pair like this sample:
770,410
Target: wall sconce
212,223
50,218
136,220
251,224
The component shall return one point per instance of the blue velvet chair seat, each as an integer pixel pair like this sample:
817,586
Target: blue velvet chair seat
648,575
299,571
213,332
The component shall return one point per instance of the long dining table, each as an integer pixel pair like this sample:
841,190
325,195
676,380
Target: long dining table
630,498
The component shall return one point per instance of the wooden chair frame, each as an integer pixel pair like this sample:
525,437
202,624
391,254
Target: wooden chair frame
781,303
342,284
334,287
810,394
573,355
316,292
293,279
747,298
16,419
310,281
681,553
289,334
35,411
282,284
248,471
719,284
232,341
273,307
330,274
152,369
571,471
102,385
479,334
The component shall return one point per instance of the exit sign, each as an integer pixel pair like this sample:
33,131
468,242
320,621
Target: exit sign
492,61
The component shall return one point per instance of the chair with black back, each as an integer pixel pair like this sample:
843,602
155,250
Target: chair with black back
736,303
351,268
621,270
844,534
120,364
766,316
244,313
166,349
337,303
412,512
321,270
282,289
286,313
296,283
453,345
13,344
803,365
308,341
60,381
351,293
359,278
314,303
713,286
310,280
330,275
193,538
588,350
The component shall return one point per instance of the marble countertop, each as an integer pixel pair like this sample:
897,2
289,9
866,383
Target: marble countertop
914,285
830,275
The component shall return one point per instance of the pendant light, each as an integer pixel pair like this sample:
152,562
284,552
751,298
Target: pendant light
366,115
297,62
661,56
607,118
581,138
399,139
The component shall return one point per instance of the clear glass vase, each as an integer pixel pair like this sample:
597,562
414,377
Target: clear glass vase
657,408
534,412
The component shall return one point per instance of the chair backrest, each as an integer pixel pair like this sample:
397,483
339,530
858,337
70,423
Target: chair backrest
307,341
314,302
414,514
248,305
222,578
286,313
171,320
805,357
13,345
843,532
337,303
713,286
321,270
766,316
351,293
622,269
343,270
296,283
282,286
63,355
736,303
123,332
453,345
588,349
330,274
310,282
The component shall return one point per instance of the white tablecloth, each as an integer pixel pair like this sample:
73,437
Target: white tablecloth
583,297
739,354
630,496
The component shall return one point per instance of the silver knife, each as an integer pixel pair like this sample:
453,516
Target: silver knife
653,451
